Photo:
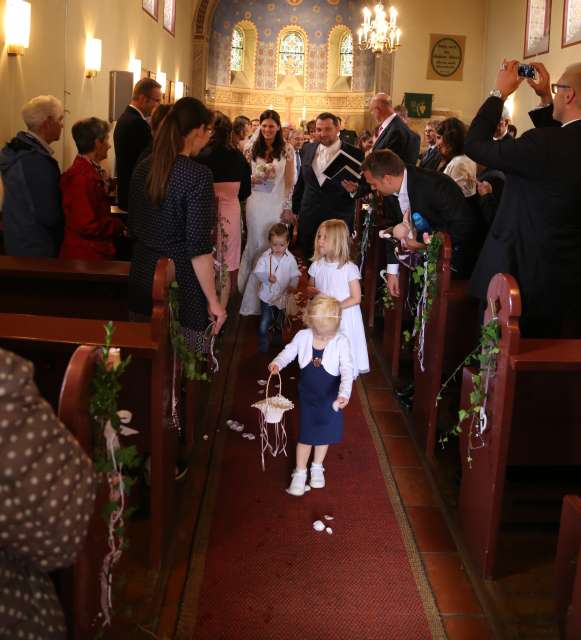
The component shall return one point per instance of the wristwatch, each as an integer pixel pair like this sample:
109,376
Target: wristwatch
496,93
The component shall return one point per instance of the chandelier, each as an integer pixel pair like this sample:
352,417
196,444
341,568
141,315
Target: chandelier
378,33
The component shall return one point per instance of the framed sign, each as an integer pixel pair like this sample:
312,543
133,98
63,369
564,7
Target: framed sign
538,27
169,16
418,105
150,7
446,57
571,23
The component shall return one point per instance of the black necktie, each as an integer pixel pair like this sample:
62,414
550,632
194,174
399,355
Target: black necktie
298,154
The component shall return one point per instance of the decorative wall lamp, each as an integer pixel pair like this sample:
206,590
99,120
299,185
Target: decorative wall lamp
17,26
93,49
179,89
161,77
135,68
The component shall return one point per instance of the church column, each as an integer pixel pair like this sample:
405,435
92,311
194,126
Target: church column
200,55
384,73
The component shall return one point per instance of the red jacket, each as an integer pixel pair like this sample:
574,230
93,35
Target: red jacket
90,229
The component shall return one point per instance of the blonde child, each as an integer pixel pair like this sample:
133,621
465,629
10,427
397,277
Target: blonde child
326,378
332,274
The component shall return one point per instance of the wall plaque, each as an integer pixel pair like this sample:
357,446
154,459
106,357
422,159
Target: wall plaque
446,57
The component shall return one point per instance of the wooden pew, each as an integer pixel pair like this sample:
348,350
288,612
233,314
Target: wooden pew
533,416
451,334
79,586
568,570
393,321
70,288
49,342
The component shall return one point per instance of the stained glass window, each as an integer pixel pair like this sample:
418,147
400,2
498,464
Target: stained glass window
237,50
346,55
291,61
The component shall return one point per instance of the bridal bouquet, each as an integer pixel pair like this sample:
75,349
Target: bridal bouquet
263,177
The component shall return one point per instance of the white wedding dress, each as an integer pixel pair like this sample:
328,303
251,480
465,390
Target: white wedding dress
263,209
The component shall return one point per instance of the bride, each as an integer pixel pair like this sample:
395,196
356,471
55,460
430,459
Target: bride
273,167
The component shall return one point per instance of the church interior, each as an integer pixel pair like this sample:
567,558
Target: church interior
161,420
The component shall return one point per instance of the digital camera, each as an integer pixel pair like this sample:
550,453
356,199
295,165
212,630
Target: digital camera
527,71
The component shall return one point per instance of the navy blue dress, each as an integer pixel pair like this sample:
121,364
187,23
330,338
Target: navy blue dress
319,422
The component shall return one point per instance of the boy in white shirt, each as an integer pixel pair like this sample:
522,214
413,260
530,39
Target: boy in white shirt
278,274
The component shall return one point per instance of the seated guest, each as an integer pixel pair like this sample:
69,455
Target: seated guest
431,158
133,134
172,215
450,135
436,197
232,185
47,484
90,229
536,233
32,210
241,131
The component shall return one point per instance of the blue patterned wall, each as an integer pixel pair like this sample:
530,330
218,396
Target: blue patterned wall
316,17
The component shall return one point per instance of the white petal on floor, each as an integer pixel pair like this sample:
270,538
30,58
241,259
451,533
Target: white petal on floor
318,525
328,517
329,530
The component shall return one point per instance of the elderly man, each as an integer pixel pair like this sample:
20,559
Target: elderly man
536,233
502,127
296,140
392,132
133,134
32,211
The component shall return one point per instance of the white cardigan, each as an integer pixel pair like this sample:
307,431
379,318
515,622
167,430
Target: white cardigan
336,357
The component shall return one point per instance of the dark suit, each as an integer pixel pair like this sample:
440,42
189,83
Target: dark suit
441,202
132,136
431,159
400,139
314,203
536,234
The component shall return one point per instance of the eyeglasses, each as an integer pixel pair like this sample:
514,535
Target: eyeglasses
555,87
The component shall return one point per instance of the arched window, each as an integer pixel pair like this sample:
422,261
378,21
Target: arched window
346,55
291,57
237,50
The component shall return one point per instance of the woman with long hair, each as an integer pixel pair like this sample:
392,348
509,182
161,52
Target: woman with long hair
450,136
172,214
273,168
231,185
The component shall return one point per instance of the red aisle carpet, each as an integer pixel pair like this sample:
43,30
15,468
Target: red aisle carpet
268,575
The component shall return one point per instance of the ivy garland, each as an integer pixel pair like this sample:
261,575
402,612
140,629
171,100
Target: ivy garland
386,298
485,356
424,276
193,364
111,459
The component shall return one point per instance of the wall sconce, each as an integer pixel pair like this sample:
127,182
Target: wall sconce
135,68
17,26
179,89
161,77
92,57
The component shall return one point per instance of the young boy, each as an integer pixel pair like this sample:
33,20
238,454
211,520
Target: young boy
278,274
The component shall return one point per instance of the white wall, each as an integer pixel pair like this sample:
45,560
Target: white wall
506,29
54,63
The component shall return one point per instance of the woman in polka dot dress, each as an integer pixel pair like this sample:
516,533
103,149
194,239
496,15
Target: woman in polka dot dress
47,495
172,215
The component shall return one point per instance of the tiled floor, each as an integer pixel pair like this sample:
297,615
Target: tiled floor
456,600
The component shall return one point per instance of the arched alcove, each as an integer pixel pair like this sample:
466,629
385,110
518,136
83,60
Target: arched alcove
244,77
336,81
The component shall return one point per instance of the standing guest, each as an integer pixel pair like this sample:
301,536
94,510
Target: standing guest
231,175
325,384
48,494
365,142
296,140
316,198
32,210
536,233
501,130
512,130
312,130
156,119
90,229
133,134
287,129
431,158
392,132
241,131
450,136
171,214
273,176
402,112
254,125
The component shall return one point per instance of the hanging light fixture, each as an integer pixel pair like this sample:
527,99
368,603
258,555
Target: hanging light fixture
379,33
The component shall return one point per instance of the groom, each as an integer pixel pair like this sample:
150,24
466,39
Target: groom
315,197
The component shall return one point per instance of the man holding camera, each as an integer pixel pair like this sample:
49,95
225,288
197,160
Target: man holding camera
536,234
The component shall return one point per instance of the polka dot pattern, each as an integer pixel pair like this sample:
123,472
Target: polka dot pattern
47,493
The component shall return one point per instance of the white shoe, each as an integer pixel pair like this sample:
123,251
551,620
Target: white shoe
317,476
298,482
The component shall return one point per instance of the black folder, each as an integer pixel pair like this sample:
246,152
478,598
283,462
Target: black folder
343,167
